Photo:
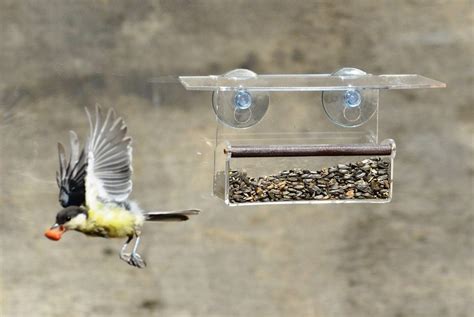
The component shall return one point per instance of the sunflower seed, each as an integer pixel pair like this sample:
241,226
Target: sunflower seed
367,179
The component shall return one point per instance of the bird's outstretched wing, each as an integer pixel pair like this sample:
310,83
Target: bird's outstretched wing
71,174
109,157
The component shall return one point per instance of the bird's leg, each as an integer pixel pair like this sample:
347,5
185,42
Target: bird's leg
125,256
135,258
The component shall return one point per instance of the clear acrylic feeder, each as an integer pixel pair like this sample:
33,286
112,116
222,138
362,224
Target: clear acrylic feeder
318,146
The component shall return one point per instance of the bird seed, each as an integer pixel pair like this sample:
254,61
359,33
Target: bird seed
366,179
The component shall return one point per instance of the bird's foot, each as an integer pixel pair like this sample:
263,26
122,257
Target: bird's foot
124,256
134,259
137,261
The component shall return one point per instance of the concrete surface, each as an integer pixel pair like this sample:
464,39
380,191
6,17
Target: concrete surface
412,257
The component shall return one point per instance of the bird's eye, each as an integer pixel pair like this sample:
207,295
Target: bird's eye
68,218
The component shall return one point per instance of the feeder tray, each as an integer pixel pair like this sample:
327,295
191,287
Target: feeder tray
258,160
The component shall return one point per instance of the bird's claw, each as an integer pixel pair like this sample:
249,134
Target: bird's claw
134,259
125,257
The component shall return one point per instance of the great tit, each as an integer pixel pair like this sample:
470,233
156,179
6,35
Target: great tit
94,185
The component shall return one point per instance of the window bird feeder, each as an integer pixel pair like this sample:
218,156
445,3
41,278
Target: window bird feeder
288,153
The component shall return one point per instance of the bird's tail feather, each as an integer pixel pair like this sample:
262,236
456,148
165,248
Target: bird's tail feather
181,215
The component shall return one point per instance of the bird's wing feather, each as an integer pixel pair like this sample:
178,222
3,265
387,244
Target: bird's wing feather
109,159
72,172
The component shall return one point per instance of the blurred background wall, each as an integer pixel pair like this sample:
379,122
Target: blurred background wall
412,257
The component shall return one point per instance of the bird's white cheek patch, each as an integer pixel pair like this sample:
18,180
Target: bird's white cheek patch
76,222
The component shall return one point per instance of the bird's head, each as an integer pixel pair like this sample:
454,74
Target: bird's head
69,218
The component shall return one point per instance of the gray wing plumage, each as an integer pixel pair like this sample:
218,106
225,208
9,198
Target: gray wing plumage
109,167
72,173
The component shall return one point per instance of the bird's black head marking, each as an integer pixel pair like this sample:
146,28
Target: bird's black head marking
68,213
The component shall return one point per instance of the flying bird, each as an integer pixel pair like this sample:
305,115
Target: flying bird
95,183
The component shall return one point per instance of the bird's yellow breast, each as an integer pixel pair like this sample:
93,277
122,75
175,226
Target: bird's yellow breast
112,222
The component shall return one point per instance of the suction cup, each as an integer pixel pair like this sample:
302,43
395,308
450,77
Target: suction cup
240,108
352,107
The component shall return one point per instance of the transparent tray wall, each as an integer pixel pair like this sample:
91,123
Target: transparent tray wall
340,178
292,120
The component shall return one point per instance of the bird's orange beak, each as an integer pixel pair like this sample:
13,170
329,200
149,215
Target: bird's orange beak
55,232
